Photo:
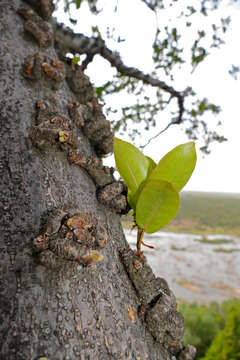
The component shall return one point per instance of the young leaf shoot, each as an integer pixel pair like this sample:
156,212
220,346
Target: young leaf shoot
153,189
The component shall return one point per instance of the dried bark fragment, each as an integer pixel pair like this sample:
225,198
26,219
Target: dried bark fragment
114,196
47,8
165,323
106,145
98,130
47,107
158,304
41,30
131,313
80,84
82,221
84,237
188,353
41,66
73,238
44,8
75,114
95,127
32,66
101,236
148,287
40,243
48,259
99,173
54,70
51,128
70,250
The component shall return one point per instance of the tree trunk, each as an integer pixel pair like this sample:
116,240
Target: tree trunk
70,286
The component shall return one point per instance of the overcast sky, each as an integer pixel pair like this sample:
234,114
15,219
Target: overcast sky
219,171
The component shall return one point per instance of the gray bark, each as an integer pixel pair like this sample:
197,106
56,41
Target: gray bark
55,303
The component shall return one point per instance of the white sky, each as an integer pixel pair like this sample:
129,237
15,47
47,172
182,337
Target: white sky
219,171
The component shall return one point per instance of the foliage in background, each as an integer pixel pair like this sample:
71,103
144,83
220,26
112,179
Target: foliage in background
202,325
202,213
173,52
226,345
214,330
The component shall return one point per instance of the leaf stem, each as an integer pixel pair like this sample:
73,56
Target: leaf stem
139,240
149,246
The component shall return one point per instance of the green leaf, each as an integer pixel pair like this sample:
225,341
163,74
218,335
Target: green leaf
151,165
157,205
95,30
76,59
176,166
174,34
133,198
202,105
99,91
131,201
78,3
131,163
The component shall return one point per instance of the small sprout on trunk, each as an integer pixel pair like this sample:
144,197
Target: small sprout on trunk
153,189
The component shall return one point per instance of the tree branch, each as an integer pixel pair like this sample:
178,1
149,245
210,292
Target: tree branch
158,134
87,61
67,41
149,5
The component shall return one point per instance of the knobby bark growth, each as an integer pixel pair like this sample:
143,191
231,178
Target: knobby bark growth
70,286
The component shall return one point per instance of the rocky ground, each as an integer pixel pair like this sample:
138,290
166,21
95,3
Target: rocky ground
197,269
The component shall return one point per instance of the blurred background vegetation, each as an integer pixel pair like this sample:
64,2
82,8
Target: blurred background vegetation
205,213
214,330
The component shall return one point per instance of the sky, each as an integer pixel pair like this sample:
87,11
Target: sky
219,171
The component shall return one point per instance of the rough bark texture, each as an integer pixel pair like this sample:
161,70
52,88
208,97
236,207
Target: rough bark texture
70,287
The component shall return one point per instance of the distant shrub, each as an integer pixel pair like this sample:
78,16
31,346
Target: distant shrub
202,325
214,241
214,330
228,251
177,248
226,345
